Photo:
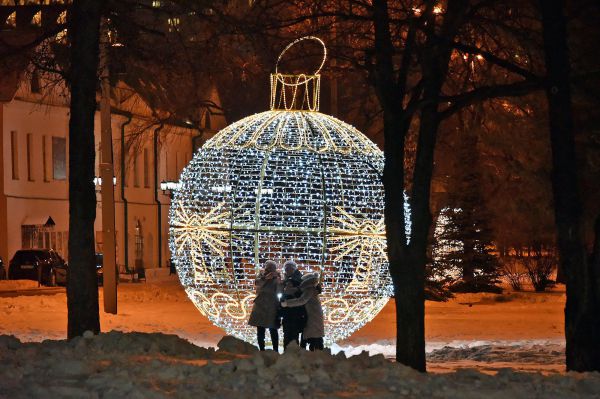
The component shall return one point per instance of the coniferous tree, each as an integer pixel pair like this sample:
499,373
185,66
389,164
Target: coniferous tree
462,257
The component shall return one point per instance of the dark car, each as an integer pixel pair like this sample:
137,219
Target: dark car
99,269
43,265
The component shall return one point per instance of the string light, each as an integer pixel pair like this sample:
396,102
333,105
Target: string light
283,184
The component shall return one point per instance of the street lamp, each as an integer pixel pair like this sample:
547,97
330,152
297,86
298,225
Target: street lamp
98,182
168,187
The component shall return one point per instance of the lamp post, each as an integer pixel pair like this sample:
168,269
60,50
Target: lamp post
106,172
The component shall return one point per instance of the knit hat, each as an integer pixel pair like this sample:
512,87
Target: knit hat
270,266
291,264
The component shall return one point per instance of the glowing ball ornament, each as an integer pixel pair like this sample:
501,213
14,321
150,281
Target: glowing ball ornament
289,183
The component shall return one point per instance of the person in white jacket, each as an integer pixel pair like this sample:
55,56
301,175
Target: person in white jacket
314,330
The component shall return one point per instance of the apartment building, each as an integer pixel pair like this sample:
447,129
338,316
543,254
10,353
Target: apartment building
34,148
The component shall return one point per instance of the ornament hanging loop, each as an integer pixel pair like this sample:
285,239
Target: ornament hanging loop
292,44
297,91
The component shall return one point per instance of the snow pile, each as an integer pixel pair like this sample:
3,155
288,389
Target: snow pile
528,353
137,365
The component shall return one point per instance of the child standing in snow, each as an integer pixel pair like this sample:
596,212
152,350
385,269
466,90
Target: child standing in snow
266,305
314,331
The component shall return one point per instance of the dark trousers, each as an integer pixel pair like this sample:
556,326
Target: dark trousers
291,332
315,344
260,336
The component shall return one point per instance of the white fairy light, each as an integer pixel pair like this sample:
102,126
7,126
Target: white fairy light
289,183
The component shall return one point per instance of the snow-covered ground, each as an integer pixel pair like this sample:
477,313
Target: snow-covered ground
141,365
519,330
493,346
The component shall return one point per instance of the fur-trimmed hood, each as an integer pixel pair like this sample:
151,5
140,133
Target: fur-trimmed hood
309,280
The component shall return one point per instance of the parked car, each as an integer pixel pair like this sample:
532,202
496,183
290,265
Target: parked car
99,269
44,265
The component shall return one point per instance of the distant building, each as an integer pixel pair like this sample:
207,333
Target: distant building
34,148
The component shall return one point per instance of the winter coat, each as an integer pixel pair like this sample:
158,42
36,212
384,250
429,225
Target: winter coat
315,327
266,305
291,285
293,318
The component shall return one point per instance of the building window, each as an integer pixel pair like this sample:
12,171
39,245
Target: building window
14,150
146,171
11,21
139,242
62,18
37,236
29,156
59,158
173,24
36,20
35,82
45,158
136,171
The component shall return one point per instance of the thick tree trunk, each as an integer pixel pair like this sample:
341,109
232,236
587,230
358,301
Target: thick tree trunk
408,288
582,311
82,286
595,258
407,261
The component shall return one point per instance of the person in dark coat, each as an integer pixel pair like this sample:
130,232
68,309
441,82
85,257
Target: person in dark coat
266,305
314,331
293,318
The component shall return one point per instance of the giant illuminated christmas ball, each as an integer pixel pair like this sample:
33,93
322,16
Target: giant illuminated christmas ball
287,184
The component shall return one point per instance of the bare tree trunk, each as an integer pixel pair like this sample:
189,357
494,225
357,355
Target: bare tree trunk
582,311
410,333
82,286
407,261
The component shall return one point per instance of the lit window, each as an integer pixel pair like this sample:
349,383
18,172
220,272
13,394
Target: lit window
12,20
61,37
156,3
62,18
173,24
37,19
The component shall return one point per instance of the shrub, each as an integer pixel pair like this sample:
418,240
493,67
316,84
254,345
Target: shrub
512,272
539,269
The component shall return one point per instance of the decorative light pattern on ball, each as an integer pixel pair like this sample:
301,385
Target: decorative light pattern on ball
280,185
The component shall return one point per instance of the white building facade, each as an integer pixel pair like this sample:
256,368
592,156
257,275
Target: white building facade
34,148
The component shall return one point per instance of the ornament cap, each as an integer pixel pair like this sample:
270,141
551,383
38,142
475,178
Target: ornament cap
295,92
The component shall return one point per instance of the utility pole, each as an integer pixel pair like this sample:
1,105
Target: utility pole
107,186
